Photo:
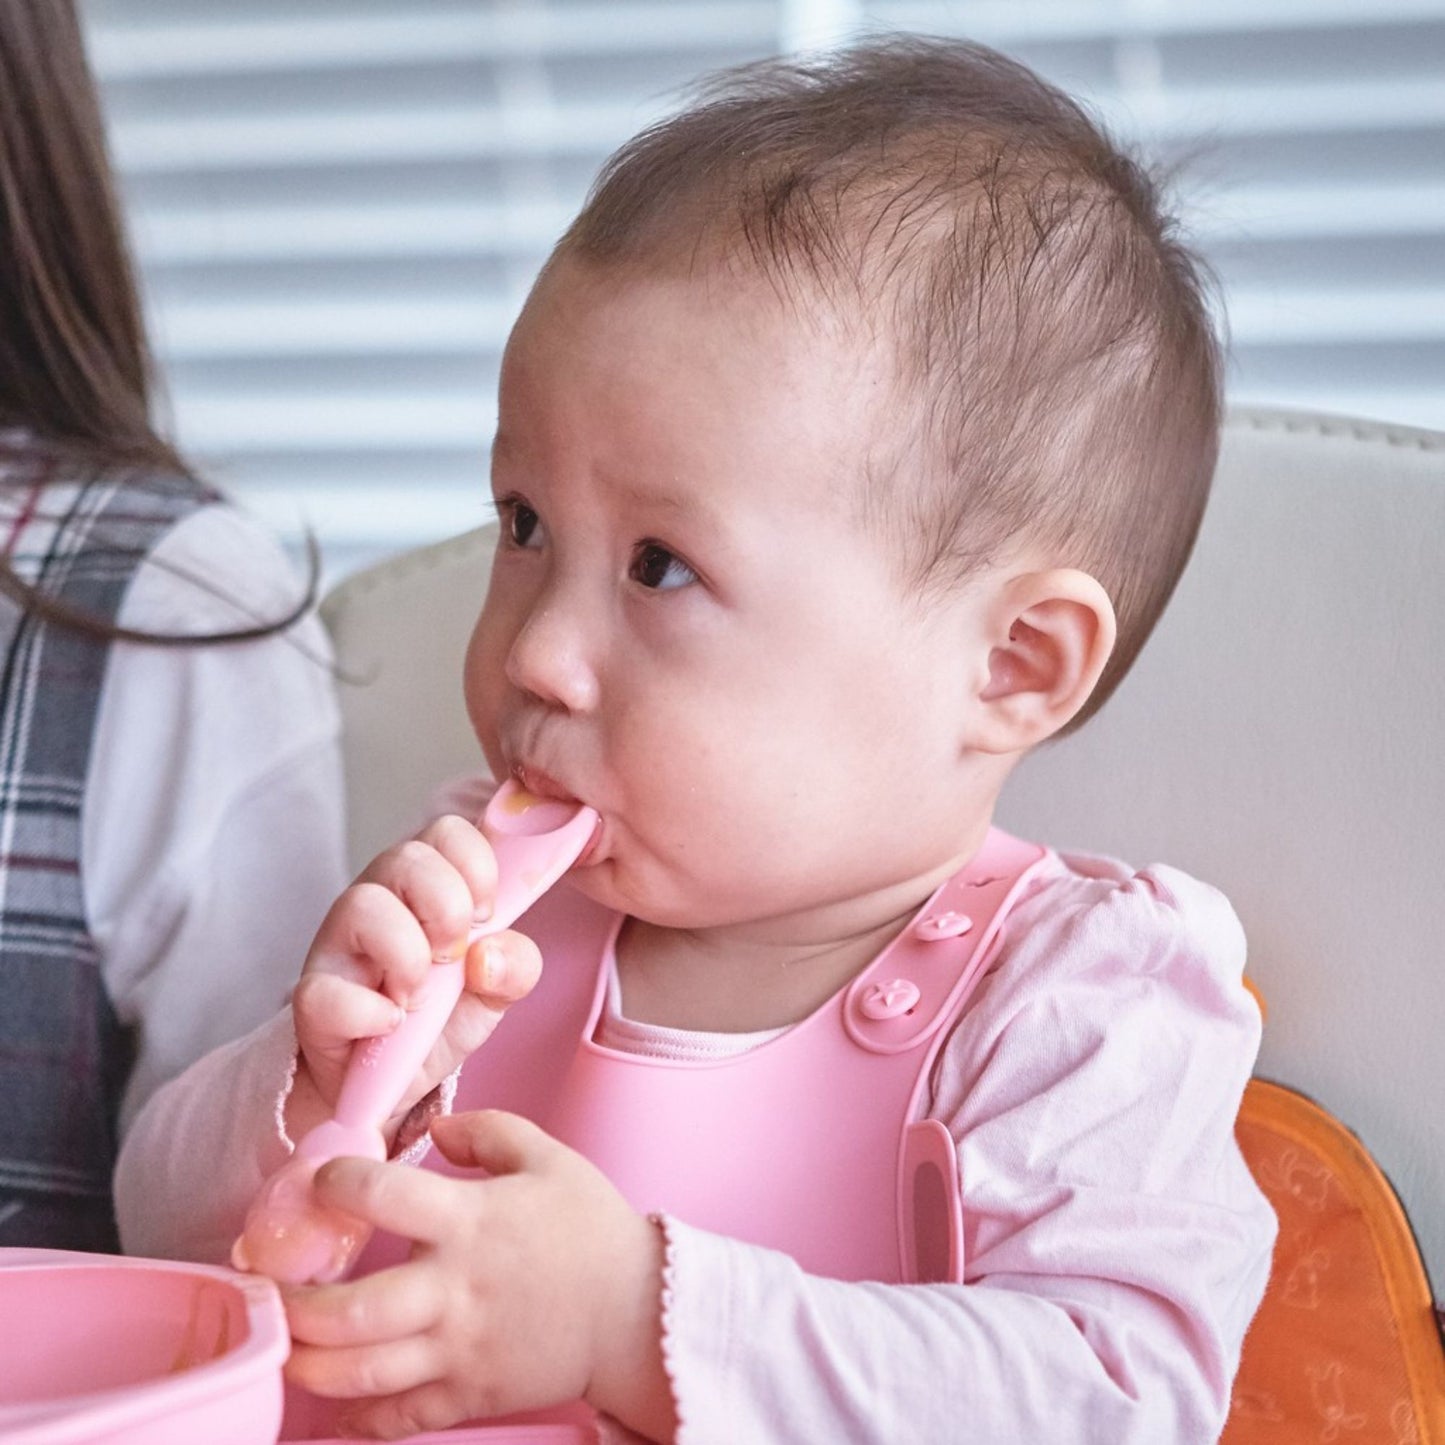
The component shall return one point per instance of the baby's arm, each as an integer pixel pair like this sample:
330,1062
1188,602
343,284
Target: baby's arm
203,1145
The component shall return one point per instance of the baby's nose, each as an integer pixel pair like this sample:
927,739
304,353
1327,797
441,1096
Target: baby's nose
550,659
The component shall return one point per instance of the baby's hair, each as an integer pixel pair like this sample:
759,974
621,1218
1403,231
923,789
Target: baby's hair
1058,373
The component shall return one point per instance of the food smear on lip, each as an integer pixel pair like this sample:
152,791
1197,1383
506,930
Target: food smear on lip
521,800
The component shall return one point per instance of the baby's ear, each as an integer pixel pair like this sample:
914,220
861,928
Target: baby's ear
1051,634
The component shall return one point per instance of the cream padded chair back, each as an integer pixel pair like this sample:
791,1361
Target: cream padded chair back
1281,736
400,630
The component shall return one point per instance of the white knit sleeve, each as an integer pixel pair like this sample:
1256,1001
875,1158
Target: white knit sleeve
213,829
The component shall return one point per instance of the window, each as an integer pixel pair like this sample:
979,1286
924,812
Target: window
338,207
1314,139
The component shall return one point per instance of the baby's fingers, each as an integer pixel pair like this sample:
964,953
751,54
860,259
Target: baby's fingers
446,875
332,1011
429,1407
503,968
500,970
362,1371
389,1305
372,936
463,846
432,891
414,1203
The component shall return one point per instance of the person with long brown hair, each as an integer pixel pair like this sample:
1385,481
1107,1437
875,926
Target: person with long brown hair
170,792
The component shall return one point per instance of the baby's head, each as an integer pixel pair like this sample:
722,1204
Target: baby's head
1057,376
853,409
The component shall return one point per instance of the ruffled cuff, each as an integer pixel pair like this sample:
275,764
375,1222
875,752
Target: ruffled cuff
665,1224
413,1138
611,1431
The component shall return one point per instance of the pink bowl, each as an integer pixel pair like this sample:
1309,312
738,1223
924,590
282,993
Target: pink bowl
136,1352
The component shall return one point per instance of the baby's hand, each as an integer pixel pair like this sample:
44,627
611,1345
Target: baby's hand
534,1287
414,904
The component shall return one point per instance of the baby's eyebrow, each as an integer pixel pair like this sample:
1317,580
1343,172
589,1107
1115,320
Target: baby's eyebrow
688,506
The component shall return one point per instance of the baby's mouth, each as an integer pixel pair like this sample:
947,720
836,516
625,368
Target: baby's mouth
542,785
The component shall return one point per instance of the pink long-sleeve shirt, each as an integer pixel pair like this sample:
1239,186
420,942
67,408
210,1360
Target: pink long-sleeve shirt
1116,1244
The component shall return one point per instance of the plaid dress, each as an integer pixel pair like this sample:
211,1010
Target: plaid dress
64,1055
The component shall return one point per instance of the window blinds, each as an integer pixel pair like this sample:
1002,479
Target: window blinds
338,206
1311,135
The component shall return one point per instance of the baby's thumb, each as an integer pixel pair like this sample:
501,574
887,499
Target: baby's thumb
490,1139
503,967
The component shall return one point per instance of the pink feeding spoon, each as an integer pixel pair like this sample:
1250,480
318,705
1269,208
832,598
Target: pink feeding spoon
288,1235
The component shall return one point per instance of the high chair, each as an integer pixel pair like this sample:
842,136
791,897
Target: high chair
1280,737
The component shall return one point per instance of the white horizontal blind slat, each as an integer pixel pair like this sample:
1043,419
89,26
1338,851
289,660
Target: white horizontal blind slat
369,135
344,39
1006,23
183,235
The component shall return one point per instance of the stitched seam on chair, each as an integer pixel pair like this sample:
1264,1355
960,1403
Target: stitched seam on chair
1332,429
406,565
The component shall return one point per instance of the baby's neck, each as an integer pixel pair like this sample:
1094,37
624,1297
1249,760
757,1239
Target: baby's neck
759,975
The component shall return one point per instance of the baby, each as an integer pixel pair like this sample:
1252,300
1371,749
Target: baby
851,443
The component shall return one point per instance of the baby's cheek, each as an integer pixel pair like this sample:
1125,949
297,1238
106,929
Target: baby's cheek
474,689
482,710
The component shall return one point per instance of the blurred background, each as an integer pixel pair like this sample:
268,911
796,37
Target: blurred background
338,205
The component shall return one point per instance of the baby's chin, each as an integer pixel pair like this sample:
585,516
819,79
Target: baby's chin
616,884
598,877
659,903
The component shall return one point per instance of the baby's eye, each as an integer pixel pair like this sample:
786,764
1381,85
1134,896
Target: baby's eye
654,566
520,522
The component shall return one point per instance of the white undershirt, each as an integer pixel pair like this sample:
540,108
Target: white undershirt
213,825
656,1041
